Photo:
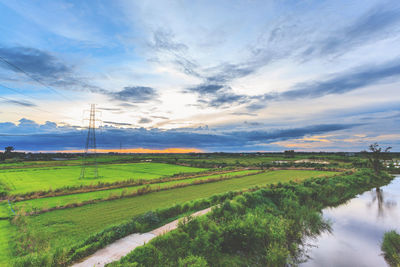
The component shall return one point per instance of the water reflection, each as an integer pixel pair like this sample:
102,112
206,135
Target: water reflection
357,229
382,205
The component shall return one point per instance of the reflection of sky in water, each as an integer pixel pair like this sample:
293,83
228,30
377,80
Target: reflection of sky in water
357,229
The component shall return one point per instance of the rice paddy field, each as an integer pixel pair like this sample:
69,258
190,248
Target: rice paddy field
50,202
24,180
5,236
72,225
103,208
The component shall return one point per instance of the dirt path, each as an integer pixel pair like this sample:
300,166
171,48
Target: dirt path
123,246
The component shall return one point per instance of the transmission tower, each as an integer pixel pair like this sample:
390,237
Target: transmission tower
90,147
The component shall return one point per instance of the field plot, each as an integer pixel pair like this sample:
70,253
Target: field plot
4,209
67,162
50,202
26,180
68,226
5,236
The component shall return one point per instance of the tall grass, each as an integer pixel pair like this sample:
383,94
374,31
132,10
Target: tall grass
391,248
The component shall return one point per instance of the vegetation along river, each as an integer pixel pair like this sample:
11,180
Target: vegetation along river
358,227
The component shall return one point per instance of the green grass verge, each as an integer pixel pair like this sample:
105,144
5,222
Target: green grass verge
4,209
391,248
26,180
68,226
51,202
5,235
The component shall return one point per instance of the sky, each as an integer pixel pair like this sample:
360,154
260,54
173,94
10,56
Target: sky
200,75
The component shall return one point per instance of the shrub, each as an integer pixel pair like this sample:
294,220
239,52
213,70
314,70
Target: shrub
192,261
391,248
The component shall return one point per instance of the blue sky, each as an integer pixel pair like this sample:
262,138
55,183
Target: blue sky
212,75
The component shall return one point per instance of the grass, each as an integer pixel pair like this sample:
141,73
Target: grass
251,160
66,227
67,162
391,248
5,235
4,209
26,180
50,202
214,158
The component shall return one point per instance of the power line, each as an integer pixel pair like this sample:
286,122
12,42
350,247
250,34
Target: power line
32,77
30,105
16,91
16,101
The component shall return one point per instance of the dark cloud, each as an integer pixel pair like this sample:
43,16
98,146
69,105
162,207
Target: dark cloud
338,84
34,61
227,100
187,65
257,105
285,134
164,40
144,121
160,117
216,95
135,94
252,123
290,40
44,67
228,72
110,109
118,123
204,89
343,82
52,137
127,105
19,102
374,24
244,114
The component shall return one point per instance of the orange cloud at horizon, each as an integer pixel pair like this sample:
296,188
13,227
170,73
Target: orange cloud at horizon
140,150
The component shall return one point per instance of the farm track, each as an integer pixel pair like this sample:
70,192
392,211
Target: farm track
123,246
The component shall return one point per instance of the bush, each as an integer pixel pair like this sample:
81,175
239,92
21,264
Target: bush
150,218
192,261
391,248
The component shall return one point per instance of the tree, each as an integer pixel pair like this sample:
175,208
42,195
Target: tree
376,155
289,153
8,150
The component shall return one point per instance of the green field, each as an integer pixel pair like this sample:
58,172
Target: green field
65,227
68,162
50,202
5,236
24,180
68,226
4,209
192,159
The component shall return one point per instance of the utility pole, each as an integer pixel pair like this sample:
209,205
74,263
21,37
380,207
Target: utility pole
90,146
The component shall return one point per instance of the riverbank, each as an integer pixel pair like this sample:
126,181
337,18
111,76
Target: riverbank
266,227
358,227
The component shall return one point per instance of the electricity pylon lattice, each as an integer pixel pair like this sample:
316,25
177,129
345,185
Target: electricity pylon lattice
90,147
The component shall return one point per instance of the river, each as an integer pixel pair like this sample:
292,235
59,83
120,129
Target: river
358,227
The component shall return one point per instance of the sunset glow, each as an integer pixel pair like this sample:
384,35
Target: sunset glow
139,150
